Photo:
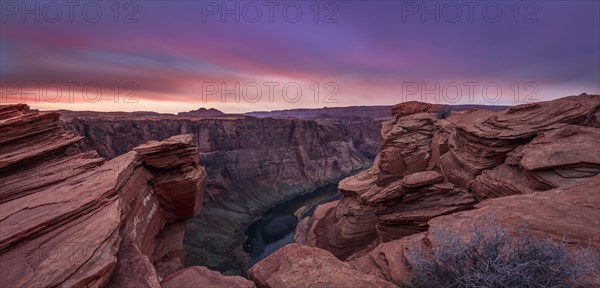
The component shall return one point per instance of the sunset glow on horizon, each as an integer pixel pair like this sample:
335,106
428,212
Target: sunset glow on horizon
178,56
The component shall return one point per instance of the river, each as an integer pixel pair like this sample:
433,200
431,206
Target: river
277,226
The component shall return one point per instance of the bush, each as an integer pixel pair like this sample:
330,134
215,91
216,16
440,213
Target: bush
490,257
443,112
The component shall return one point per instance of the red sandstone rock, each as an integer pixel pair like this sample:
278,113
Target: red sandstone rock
321,212
391,260
18,123
413,107
567,146
406,147
170,153
301,233
411,215
483,139
439,142
168,252
202,277
503,180
480,153
568,213
391,193
422,179
251,164
302,266
76,220
557,158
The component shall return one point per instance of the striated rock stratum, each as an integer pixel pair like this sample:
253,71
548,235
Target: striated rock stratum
252,164
71,219
538,161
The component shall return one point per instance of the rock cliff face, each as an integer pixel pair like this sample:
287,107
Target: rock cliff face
565,213
363,122
430,167
251,164
77,220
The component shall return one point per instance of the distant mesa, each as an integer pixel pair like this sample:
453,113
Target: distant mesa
203,112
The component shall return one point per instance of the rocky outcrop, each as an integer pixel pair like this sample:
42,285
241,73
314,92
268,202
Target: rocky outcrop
414,107
202,277
430,167
75,220
369,212
483,140
570,214
406,147
252,164
303,266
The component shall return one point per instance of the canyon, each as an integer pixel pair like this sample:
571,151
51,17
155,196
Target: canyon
75,219
533,165
142,199
252,164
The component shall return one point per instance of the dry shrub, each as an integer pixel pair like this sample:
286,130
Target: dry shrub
491,257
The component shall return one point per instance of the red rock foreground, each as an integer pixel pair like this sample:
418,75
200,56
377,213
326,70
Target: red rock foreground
302,266
76,220
431,173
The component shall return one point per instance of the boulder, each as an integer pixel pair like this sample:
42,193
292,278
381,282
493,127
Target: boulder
303,266
413,107
423,178
202,277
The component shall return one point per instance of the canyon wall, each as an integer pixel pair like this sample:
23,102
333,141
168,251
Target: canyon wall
252,164
74,219
429,168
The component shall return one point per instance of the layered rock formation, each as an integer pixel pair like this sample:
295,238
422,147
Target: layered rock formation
352,113
363,122
252,164
302,266
430,167
570,214
565,213
77,220
202,277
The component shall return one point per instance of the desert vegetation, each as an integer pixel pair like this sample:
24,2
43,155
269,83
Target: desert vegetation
489,256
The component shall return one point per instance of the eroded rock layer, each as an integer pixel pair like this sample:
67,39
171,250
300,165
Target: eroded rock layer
430,167
77,220
252,164
571,213
303,266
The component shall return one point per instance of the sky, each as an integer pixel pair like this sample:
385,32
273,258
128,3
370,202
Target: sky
240,56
